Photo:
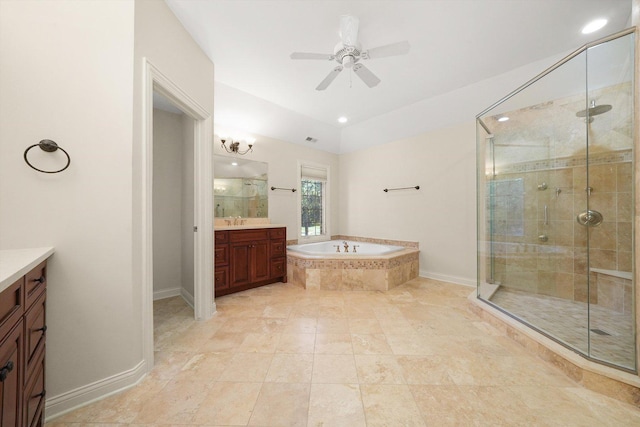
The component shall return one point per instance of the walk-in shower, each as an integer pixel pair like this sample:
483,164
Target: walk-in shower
555,202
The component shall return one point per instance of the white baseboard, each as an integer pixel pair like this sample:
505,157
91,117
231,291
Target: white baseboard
451,279
186,296
166,293
61,404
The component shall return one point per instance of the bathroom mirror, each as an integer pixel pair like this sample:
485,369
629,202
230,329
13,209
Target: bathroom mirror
239,188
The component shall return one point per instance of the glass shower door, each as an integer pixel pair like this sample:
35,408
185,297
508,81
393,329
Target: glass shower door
555,203
606,224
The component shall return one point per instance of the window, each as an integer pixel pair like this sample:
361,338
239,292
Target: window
313,201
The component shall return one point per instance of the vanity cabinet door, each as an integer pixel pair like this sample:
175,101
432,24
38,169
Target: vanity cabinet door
249,262
34,394
11,372
240,262
278,267
260,261
221,255
221,278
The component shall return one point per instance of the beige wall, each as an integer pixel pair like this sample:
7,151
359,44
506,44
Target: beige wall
78,80
71,81
167,202
441,216
282,158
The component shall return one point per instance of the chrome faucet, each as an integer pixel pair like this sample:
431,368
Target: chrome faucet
346,246
354,248
337,248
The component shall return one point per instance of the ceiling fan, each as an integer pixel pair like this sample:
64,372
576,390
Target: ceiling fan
348,54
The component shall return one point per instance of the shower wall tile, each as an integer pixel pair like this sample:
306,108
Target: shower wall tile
580,288
562,206
611,292
605,203
580,236
562,233
602,178
580,265
624,178
624,207
603,236
599,258
564,285
625,261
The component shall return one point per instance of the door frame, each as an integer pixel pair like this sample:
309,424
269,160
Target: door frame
204,306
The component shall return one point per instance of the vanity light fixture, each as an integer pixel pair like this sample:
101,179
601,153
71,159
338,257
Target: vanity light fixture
594,26
234,146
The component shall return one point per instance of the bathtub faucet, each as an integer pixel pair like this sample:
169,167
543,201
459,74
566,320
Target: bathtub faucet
337,248
354,248
346,246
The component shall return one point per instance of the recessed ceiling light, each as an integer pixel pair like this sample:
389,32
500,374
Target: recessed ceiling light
594,25
503,119
234,163
342,119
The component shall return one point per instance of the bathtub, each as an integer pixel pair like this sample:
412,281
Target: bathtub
329,248
373,267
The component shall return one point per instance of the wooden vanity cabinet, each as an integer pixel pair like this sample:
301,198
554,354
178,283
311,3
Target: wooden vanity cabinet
22,350
256,257
221,261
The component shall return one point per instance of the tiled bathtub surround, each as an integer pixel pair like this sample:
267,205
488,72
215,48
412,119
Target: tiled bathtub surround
355,273
403,243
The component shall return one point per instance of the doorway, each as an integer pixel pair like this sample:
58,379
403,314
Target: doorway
202,204
173,217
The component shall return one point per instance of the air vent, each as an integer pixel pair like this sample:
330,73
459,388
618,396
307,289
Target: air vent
310,139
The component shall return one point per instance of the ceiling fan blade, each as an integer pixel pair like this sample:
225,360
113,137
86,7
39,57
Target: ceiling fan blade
307,55
366,75
349,30
330,77
400,48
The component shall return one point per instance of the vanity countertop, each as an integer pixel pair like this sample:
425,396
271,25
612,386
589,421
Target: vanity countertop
246,226
15,263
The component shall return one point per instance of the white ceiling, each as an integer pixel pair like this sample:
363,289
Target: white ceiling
454,43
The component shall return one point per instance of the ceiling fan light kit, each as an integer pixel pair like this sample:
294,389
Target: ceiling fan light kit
348,53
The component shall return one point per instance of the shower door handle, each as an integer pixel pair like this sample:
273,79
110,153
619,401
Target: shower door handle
589,218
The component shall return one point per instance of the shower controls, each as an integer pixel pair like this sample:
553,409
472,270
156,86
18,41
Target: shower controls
543,238
542,186
590,218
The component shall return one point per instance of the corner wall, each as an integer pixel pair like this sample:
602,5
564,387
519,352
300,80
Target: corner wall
78,80
167,203
71,81
441,216
282,158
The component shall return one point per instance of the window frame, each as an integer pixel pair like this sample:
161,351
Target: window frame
326,204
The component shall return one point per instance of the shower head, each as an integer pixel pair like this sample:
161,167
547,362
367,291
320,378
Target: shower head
594,110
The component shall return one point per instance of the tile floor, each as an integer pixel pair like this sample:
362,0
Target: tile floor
568,321
284,356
